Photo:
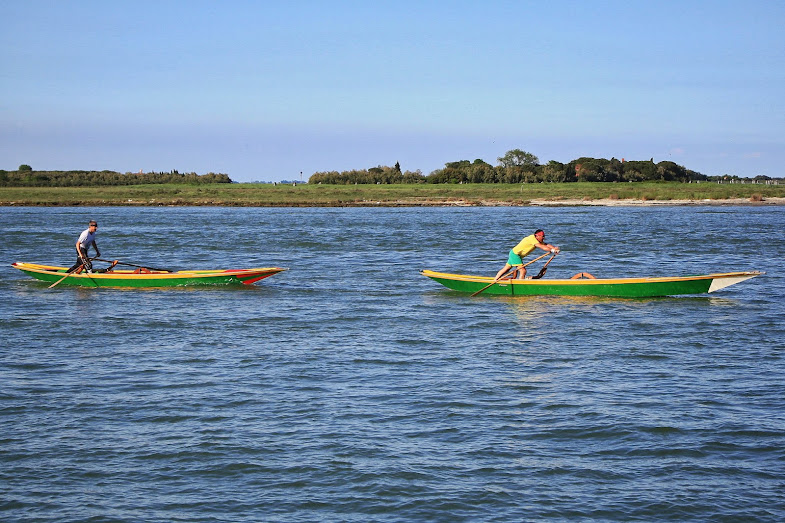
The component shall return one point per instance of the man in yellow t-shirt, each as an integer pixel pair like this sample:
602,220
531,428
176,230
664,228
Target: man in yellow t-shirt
523,248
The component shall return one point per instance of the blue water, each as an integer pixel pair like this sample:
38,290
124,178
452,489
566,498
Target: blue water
350,388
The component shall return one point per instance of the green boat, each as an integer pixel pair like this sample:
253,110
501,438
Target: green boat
143,277
583,284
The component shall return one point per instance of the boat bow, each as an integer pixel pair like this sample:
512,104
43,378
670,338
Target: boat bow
726,280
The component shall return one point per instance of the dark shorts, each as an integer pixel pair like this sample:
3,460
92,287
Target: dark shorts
79,262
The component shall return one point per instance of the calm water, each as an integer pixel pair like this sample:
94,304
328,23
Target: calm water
351,388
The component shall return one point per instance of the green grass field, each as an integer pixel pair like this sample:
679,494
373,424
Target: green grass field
264,195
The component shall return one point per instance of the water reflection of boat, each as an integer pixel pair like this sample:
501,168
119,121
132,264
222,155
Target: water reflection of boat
617,287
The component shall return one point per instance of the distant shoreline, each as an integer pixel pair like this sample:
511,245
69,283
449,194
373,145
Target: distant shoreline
605,202
397,195
654,203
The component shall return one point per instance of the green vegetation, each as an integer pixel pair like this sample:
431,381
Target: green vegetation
518,166
515,167
374,175
307,195
518,179
25,176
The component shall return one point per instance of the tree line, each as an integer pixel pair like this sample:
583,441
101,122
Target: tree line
25,176
518,166
376,175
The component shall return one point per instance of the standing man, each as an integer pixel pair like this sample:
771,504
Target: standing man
523,248
86,239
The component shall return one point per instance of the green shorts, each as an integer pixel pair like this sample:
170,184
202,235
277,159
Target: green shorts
514,259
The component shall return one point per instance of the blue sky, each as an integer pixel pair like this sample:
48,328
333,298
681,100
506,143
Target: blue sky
266,90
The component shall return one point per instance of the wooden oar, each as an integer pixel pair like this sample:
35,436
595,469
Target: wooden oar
544,267
67,274
134,265
514,268
511,269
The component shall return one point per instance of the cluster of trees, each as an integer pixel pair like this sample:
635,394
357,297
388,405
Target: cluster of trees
380,174
510,170
519,166
25,176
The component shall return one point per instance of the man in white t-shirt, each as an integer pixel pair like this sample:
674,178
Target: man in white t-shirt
86,239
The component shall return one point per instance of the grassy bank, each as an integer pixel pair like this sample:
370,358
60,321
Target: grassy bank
267,195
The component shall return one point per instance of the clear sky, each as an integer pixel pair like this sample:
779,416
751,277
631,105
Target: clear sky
265,90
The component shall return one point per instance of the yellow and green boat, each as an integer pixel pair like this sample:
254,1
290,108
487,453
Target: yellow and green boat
143,277
583,284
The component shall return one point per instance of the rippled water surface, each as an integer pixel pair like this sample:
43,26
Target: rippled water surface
350,388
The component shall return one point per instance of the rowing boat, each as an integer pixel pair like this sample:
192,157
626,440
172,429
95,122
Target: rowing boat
577,286
142,277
